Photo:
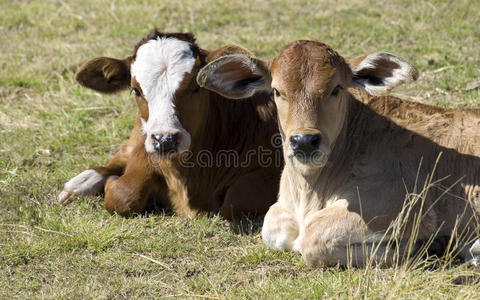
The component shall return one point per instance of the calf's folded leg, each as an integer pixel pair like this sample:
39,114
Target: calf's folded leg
92,181
335,235
129,193
280,228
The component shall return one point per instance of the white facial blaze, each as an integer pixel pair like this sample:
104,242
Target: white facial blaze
159,68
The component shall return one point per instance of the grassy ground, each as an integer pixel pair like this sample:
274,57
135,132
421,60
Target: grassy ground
51,129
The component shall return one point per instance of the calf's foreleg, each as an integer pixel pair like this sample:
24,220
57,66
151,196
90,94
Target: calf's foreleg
92,181
336,236
280,227
130,193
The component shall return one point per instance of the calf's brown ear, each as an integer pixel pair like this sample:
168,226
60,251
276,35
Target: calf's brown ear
235,76
380,72
105,74
229,49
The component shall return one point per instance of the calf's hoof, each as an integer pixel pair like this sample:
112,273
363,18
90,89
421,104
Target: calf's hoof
89,182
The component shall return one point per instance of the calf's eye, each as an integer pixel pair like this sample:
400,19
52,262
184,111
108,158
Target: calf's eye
276,92
336,90
136,91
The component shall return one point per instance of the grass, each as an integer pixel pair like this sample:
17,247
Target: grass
51,129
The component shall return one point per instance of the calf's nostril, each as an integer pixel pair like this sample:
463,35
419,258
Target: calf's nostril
171,137
294,141
316,139
157,138
165,143
175,136
305,144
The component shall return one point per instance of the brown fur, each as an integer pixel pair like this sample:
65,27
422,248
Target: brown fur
215,124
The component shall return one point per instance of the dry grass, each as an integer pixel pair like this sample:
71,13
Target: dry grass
51,129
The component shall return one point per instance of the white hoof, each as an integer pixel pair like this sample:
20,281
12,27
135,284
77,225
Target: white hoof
63,197
277,241
89,182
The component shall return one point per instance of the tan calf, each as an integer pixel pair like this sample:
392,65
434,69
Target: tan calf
352,158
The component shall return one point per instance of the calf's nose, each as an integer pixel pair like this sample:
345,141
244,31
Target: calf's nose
305,144
164,144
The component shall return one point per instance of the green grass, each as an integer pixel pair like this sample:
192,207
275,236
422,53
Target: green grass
51,129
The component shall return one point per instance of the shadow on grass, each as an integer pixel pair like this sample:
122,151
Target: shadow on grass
247,226
244,226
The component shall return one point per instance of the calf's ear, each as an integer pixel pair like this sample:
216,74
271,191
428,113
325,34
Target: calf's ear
104,74
229,49
235,76
380,72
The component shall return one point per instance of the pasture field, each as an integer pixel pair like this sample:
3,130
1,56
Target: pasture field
51,129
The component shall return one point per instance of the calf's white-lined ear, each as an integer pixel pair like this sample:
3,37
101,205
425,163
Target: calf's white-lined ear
380,72
235,76
105,74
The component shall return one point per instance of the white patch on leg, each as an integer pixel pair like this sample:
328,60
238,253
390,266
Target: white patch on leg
89,182
472,255
475,249
277,241
296,244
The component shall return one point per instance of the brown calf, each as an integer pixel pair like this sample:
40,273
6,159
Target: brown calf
352,160
191,149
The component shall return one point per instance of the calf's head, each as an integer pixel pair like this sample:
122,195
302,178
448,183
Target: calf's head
161,73
309,82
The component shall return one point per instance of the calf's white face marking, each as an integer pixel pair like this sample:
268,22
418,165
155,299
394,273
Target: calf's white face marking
159,68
